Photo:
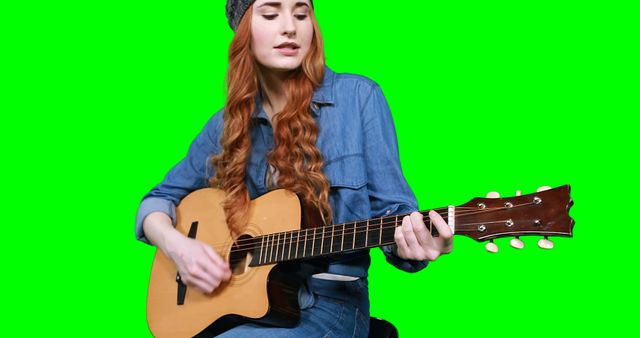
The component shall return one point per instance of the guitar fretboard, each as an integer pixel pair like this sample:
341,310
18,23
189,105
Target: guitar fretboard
326,240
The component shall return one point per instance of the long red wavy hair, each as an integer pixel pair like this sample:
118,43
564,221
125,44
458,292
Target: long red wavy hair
295,156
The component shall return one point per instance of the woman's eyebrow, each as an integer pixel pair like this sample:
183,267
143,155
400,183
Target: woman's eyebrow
272,4
300,4
279,4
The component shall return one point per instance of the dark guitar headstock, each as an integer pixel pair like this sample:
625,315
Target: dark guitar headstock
544,213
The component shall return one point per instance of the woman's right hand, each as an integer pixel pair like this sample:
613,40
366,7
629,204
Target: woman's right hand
198,264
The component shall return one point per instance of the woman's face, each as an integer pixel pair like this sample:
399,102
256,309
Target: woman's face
281,33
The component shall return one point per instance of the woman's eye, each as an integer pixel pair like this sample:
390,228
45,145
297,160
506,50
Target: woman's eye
273,16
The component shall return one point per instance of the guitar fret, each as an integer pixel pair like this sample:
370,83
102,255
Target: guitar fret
395,226
261,248
304,251
266,248
322,241
290,245
366,235
276,243
388,230
297,243
363,229
277,247
284,246
353,246
332,231
273,239
313,241
380,239
342,242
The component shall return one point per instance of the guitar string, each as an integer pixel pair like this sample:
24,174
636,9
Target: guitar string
359,225
309,254
281,244
359,228
289,242
474,211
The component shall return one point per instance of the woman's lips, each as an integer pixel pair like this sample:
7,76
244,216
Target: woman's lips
288,51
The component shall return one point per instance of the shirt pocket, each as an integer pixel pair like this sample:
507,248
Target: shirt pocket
346,171
348,181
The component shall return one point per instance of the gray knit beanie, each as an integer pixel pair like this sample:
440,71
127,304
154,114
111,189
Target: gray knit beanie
236,9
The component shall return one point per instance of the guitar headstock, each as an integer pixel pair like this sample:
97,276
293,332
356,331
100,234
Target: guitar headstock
544,213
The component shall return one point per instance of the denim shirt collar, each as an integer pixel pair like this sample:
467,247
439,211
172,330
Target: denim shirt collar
321,96
324,93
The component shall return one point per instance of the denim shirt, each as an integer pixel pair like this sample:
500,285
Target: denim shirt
358,141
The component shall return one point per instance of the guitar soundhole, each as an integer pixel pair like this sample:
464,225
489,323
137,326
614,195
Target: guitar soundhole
241,255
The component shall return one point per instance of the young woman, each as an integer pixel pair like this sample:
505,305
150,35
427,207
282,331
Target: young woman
290,122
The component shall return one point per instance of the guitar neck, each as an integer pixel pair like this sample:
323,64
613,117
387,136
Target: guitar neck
543,213
331,239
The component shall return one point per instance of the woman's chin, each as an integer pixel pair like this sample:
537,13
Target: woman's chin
283,66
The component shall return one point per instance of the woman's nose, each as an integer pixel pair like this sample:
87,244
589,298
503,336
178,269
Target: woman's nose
289,27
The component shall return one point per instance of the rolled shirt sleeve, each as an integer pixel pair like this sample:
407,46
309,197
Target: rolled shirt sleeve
190,174
389,192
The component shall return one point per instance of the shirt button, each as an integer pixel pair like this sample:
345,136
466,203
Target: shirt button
314,106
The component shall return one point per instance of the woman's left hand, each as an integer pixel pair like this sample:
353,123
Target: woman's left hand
413,240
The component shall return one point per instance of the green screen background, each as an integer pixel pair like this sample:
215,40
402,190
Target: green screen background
101,99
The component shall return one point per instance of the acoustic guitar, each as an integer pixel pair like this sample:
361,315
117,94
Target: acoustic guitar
263,258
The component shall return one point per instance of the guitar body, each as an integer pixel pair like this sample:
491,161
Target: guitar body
265,293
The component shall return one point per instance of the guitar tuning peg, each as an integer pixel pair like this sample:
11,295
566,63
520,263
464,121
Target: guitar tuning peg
516,243
545,243
491,247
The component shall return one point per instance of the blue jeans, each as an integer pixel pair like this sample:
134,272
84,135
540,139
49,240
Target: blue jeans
328,309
